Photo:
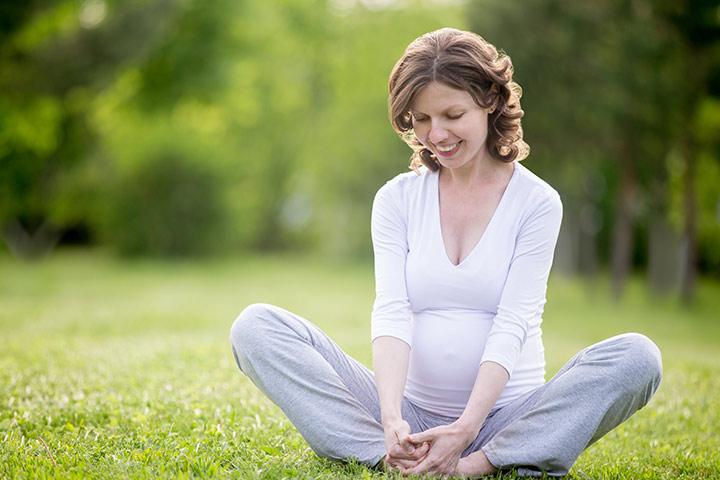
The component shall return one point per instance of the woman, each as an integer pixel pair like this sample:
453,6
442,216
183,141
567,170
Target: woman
463,248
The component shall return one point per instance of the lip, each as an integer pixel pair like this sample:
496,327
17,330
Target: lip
449,153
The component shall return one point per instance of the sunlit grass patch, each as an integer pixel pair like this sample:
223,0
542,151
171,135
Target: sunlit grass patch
123,369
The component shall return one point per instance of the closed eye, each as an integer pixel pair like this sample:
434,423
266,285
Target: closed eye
425,119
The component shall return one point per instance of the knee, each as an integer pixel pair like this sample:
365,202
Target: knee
642,360
246,330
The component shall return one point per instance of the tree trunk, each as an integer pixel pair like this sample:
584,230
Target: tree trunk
689,271
665,257
622,245
30,244
697,77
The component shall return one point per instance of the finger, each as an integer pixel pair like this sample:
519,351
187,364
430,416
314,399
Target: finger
396,451
411,449
391,464
403,467
400,454
405,443
426,465
401,464
421,451
432,465
420,437
417,470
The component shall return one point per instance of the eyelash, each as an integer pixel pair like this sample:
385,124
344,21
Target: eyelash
424,119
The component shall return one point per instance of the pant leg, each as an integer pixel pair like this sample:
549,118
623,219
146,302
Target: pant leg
330,397
598,389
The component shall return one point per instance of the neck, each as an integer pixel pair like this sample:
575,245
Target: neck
482,171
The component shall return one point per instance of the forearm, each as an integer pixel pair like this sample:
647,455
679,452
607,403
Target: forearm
489,384
390,363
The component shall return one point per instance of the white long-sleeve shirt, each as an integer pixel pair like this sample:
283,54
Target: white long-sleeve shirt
454,317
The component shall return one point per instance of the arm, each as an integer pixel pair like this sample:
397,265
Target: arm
391,317
489,384
523,295
390,363
391,323
522,298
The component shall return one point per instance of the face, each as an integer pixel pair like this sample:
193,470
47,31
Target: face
450,124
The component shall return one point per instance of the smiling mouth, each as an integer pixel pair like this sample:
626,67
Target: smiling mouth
448,150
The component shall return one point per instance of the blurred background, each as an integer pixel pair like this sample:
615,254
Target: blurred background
208,128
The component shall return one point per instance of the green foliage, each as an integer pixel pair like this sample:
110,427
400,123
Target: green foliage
192,58
166,205
708,186
29,133
233,83
351,149
293,112
287,101
122,369
55,56
600,95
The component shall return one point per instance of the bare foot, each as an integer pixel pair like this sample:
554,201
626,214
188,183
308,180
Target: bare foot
475,465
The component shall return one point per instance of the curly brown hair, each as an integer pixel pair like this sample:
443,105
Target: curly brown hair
465,61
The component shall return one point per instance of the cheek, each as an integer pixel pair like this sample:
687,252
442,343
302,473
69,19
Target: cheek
476,135
421,134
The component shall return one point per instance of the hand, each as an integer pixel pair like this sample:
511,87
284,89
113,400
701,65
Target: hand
401,453
447,443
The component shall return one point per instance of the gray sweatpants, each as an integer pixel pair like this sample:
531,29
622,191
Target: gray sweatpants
332,399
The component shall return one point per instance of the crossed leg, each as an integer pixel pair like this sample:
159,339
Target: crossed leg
329,396
332,399
594,392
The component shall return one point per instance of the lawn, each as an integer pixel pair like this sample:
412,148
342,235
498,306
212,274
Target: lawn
112,368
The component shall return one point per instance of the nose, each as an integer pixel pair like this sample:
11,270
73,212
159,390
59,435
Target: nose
437,134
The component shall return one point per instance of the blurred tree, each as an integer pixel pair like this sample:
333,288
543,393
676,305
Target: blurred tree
172,106
167,205
351,149
708,121
603,80
239,85
54,57
284,103
696,23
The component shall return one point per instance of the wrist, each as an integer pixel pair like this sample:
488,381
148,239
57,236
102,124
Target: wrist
390,418
468,428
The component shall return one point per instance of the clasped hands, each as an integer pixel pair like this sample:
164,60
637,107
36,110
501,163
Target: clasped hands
436,450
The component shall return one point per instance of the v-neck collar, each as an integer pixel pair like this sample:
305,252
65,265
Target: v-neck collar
487,227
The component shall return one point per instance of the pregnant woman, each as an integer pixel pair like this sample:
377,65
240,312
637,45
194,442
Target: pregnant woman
463,246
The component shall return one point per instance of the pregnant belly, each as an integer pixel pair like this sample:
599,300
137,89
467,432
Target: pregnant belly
447,348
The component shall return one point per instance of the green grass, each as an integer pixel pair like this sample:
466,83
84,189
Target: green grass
112,369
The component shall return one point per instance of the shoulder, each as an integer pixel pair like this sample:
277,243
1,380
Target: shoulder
536,201
403,187
536,190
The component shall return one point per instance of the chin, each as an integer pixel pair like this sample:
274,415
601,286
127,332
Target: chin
452,163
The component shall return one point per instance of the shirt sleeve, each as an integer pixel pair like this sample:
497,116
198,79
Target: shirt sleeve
391,314
523,295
